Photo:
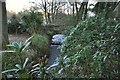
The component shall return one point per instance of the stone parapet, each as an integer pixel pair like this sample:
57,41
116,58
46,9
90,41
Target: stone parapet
2,0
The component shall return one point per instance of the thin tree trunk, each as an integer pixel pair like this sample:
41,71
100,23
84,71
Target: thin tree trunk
73,9
45,8
52,12
85,10
49,20
81,11
76,7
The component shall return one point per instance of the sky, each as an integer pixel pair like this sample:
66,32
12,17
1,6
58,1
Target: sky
17,5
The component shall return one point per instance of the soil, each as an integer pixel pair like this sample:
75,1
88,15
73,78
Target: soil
17,38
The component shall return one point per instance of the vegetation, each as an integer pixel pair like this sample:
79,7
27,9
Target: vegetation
16,51
28,21
90,49
25,68
39,44
32,20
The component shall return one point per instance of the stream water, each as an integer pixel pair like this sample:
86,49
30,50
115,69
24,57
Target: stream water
54,54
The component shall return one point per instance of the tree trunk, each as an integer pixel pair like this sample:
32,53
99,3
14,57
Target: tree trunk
45,8
85,10
52,12
73,9
3,25
81,11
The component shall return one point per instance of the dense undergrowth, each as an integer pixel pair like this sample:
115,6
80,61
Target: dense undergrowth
91,50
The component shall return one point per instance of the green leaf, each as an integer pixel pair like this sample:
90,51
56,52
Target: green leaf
11,70
26,45
28,39
18,66
104,59
12,46
25,63
21,48
52,66
35,69
36,65
60,71
20,44
7,51
16,45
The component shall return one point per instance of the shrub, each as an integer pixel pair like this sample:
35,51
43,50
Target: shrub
25,69
14,24
92,49
39,44
16,51
32,20
28,21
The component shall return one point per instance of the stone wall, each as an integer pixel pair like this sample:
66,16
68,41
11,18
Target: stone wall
0,25
4,25
3,30
0,38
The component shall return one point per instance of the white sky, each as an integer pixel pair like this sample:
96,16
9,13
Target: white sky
16,5
19,5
